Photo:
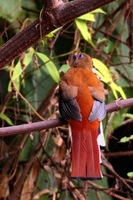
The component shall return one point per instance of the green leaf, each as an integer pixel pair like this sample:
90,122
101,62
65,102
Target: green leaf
5,118
117,88
102,68
130,174
126,139
50,67
108,47
51,34
99,10
18,70
64,68
101,40
90,16
10,9
82,26
28,147
128,115
105,75
87,17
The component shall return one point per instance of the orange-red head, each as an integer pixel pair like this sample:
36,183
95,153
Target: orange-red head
82,60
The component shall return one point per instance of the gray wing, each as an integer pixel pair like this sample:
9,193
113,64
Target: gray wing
69,109
98,111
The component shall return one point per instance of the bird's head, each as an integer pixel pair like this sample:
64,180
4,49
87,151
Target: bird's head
82,60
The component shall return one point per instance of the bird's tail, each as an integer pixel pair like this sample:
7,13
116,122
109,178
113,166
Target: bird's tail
85,151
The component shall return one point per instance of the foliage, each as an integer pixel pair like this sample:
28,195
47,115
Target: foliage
37,165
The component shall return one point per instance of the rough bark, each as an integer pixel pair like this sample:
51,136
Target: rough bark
55,14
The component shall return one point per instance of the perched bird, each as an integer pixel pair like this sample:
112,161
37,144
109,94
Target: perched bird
81,103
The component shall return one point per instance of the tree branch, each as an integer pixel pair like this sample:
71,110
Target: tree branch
110,168
51,3
55,14
37,126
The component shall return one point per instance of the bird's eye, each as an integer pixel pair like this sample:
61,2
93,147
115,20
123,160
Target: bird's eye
81,55
74,57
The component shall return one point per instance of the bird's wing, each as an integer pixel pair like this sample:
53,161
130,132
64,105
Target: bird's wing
69,109
98,111
68,105
95,87
97,92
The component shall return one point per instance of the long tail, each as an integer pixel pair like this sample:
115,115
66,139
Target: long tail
85,151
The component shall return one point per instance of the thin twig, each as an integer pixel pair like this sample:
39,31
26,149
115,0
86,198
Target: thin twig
119,154
109,191
110,168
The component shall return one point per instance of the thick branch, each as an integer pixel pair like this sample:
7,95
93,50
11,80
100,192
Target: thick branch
51,3
53,17
37,126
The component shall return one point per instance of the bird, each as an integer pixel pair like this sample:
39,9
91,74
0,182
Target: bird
82,105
